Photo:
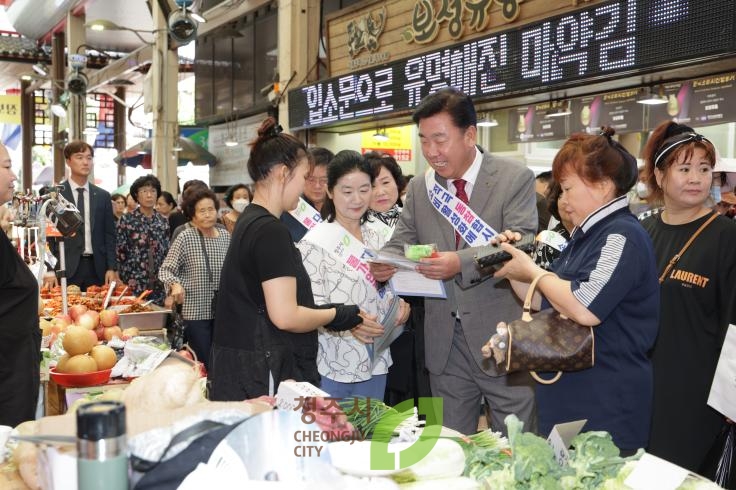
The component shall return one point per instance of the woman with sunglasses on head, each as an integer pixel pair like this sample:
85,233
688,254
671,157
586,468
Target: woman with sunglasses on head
605,278
698,297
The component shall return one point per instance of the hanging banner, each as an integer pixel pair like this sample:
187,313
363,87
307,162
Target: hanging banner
10,109
618,110
534,123
701,102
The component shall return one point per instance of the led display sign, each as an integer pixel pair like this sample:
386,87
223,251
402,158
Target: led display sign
605,40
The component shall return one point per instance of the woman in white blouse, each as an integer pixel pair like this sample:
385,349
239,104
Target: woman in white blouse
333,254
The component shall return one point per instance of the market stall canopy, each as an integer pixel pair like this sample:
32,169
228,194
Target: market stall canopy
140,154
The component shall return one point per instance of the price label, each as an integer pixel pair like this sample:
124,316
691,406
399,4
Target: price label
561,436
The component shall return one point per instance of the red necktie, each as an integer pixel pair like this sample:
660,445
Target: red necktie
460,194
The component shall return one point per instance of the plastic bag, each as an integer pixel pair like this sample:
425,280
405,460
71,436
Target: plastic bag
720,462
175,332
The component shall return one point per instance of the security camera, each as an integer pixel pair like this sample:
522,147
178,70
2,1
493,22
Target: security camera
182,28
76,83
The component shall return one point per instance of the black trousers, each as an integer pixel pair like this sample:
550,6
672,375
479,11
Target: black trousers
85,275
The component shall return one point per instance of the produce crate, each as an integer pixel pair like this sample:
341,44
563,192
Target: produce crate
148,320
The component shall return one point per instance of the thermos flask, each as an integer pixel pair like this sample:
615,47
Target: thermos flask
102,458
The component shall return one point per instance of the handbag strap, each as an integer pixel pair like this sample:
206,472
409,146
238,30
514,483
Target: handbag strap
677,256
206,258
527,315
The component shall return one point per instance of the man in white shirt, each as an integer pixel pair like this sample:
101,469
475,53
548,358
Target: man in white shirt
90,253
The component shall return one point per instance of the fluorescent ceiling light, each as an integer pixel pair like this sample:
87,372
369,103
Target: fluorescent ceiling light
649,97
380,136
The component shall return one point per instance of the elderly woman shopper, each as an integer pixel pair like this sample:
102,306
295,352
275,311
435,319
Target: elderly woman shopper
350,365
191,270
266,322
698,294
606,278
143,240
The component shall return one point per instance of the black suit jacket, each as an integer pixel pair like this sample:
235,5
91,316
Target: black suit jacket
102,224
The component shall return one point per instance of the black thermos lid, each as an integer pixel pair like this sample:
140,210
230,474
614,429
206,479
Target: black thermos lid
101,420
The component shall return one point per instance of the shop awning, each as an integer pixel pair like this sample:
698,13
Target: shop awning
140,154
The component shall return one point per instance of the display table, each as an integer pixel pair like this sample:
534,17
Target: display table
57,398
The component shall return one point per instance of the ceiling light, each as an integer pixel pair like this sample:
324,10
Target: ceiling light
647,96
177,147
562,109
230,143
197,17
380,135
487,121
41,69
58,108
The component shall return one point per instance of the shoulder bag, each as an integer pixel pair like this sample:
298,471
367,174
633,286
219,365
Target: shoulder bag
677,256
544,341
213,304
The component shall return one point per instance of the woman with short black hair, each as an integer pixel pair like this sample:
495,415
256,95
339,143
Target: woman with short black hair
143,240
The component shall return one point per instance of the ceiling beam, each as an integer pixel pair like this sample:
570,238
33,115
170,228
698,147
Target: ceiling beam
118,68
227,11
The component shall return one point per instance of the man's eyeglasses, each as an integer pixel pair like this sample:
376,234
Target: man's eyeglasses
315,180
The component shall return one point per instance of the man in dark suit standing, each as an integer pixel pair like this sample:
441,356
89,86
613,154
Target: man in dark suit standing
90,253
499,192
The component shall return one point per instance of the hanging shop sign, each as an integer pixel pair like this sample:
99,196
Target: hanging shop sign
376,32
701,102
229,142
397,143
603,40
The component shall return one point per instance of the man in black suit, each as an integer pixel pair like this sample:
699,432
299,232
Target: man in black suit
90,253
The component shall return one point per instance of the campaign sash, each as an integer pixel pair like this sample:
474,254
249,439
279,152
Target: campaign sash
351,252
464,220
306,214
383,230
345,247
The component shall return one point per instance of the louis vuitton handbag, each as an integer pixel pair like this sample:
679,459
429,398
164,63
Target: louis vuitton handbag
543,341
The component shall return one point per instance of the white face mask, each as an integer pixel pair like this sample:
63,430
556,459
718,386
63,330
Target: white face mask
642,190
239,205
